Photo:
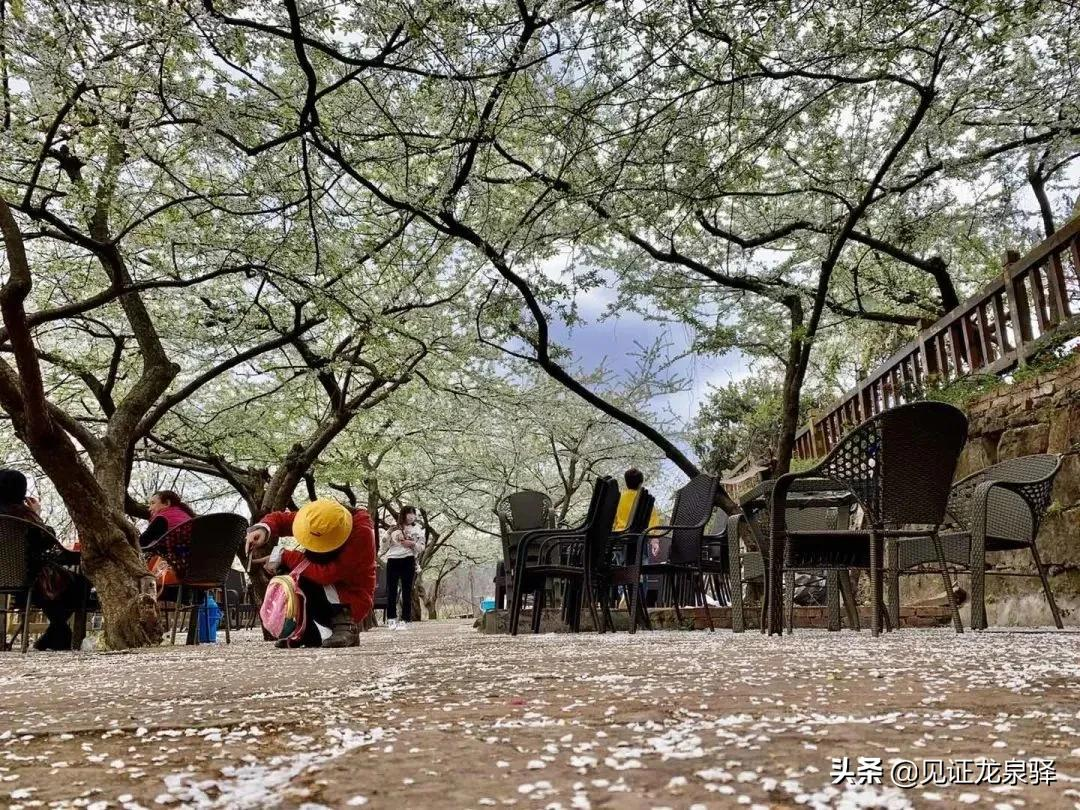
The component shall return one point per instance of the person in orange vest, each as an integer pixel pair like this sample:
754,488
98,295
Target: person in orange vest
339,579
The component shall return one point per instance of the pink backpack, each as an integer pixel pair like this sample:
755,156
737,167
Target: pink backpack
284,609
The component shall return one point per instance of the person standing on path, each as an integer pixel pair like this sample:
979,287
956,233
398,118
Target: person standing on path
401,548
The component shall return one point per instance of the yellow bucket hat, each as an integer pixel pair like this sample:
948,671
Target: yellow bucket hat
322,526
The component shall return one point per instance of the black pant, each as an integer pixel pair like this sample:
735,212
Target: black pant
400,570
319,609
58,611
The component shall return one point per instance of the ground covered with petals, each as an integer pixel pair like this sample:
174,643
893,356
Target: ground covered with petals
439,715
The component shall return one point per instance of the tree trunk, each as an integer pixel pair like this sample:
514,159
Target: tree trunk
110,552
419,599
1046,211
794,373
125,589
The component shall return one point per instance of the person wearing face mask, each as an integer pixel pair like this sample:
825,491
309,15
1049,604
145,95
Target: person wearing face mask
401,547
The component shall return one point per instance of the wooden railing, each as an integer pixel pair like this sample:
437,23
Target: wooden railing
990,333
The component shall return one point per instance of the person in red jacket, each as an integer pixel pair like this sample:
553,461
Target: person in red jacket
339,579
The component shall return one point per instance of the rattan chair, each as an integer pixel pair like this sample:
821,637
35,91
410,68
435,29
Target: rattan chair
616,569
690,514
518,512
999,508
714,559
899,464
201,553
20,561
564,554
379,600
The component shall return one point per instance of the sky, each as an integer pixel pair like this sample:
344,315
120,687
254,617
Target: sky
606,339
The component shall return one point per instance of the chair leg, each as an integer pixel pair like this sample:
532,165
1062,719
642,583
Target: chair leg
774,583
516,597
847,591
26,622
643,609
538,609
574,593
596,604
947,580
605,608
885,616
198,603
633,596
789,600
176,611
705,601
875,585
735,574
572,597
892,578
674,587
1046,587
6,607
832,600
225,593
596,613
978,581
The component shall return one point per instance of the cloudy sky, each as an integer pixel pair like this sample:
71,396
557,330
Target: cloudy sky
611,340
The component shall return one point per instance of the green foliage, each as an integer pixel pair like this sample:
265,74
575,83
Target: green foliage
963,390
466,179
737,420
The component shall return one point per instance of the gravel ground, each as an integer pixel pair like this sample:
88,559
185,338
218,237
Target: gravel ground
440,716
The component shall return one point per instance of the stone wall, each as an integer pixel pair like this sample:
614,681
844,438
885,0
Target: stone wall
1040,414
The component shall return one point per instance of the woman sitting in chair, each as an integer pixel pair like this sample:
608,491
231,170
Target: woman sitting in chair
57,591
167,511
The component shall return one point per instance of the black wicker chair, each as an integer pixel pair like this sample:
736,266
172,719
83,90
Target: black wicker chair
999,508
689,516
616,568
899,464
518,512
379,601
715,561
575,549
201,553
20,561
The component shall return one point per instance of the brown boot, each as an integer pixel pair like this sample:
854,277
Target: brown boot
344,631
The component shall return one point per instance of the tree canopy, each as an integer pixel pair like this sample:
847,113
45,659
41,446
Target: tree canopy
286,249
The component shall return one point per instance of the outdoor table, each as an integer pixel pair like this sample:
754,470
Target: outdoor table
805,493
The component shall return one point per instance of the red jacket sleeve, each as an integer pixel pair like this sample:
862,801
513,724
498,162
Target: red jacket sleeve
280,523
364,530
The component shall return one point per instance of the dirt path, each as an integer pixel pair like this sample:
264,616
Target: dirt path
441,716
